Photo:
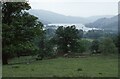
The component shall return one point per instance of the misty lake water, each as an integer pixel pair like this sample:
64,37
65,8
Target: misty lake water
78,26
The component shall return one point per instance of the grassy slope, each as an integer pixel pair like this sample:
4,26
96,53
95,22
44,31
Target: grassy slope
95,66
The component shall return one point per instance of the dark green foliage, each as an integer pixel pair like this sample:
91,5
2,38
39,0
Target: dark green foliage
94,34
95,46
84,45
18,30
67,39
104,45
80,47
49,48
107,46
114,37
45,45
12,9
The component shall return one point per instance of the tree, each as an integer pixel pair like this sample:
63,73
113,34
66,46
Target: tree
13,9
107,46
18,30
80,46
45,46
66,39
95,46
114,37
84,45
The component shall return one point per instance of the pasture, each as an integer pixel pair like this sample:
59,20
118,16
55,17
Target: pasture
91,66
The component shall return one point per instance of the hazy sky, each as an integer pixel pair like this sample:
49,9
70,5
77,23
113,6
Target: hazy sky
84,8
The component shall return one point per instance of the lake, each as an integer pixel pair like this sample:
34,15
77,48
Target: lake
78,26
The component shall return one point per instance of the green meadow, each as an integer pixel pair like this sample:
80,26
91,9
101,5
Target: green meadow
90,66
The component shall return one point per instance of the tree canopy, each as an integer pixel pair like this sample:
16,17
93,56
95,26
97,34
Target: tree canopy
18,30
95,46
107,46
67,39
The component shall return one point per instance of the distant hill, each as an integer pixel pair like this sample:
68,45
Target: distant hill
105,23
94,18
55,17
52,17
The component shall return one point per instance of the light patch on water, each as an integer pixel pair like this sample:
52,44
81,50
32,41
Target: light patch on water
78,26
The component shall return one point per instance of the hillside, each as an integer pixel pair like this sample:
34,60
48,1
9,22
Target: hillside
52,17
105,23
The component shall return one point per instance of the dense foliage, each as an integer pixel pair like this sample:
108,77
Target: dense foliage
107,46
95,46
18,30
94,34
67,39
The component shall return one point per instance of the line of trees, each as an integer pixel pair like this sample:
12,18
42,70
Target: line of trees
104,45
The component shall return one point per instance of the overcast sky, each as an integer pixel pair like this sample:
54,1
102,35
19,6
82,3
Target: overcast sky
83,8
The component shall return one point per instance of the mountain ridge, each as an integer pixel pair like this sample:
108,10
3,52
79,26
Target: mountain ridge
52,17
105,23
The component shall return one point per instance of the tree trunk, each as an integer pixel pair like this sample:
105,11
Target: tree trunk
4,59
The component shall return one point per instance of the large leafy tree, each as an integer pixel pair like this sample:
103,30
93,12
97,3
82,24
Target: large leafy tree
107,46
18,30
67,39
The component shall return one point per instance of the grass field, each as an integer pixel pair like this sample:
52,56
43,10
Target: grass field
91,66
